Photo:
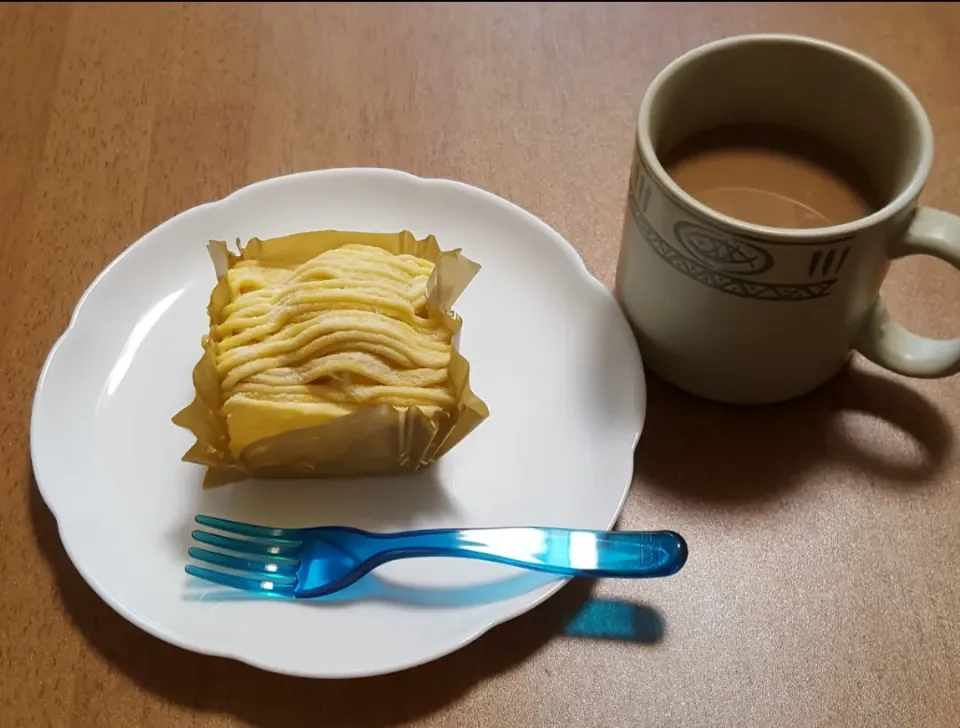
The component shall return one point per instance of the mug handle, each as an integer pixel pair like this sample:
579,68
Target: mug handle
885,342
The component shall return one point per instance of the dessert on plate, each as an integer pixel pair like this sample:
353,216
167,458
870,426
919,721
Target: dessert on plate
329,354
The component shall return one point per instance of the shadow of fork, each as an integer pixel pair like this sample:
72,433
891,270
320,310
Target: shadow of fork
602,619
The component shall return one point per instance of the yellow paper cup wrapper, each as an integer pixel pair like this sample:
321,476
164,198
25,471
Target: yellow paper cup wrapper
374,440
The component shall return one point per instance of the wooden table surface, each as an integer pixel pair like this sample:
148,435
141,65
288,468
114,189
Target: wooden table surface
824,583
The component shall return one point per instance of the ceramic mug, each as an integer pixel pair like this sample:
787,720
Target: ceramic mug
744,313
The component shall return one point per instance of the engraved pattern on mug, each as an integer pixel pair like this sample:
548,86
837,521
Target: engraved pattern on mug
710,257
720,251
827,267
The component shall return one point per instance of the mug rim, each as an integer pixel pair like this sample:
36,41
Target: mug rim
795,235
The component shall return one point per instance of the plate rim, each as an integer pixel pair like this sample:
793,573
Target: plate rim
538,596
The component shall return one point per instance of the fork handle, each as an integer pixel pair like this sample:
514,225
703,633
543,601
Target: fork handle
565,552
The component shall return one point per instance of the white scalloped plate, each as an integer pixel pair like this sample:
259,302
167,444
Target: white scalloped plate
551,354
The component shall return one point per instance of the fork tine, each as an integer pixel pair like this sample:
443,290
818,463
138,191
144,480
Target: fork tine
281,573
257,586
247,529
279,553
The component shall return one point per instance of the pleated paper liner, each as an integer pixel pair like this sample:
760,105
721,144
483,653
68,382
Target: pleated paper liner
377,439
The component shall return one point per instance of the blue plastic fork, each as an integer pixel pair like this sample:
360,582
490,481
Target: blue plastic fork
305,563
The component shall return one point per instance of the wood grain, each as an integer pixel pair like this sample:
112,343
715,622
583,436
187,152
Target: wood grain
824,586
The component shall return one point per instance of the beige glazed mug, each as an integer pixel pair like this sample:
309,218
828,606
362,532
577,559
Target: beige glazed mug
749,314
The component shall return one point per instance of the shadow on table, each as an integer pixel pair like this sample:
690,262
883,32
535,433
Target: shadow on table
736,455
266,700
